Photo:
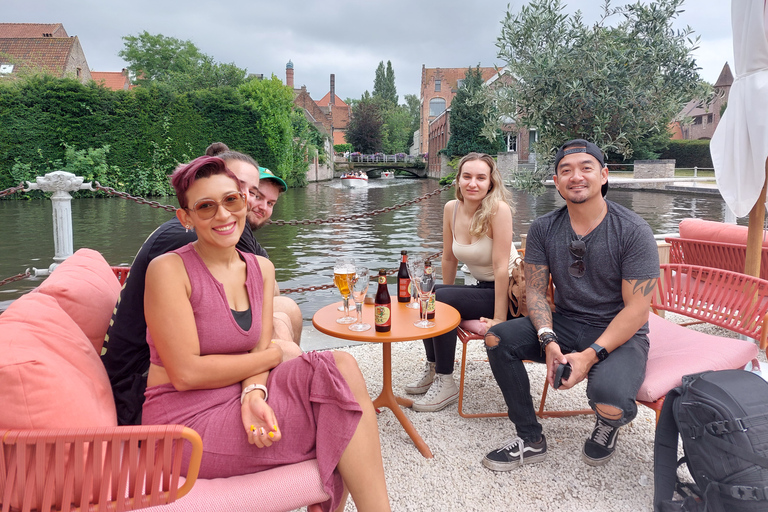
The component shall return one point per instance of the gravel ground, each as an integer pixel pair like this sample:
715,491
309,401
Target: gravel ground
455,480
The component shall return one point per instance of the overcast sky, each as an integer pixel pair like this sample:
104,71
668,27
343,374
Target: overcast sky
345,37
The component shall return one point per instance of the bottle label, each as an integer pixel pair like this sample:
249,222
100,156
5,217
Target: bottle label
382,314
382,279
404,288
431,307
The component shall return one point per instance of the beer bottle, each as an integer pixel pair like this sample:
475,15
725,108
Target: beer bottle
431,303
383,305
403,281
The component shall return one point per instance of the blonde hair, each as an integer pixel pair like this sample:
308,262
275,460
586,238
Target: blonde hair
497,193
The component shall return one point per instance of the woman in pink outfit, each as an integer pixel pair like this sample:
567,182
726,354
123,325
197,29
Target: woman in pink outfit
214,367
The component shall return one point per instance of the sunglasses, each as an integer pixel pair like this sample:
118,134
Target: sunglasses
578,248
207,208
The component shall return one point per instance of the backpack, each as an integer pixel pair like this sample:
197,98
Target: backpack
722,418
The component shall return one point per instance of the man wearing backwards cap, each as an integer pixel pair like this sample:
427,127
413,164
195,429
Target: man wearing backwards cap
604,264
265,198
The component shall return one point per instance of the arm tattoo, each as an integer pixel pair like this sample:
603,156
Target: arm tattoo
645,286
536,283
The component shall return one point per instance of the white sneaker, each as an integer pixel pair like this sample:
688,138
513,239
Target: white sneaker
442,393
422,385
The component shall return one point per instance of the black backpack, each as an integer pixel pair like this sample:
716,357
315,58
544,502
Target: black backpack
722,417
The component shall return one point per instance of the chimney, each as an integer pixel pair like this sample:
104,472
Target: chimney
333,89
289,74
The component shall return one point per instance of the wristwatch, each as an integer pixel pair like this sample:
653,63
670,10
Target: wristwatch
600,351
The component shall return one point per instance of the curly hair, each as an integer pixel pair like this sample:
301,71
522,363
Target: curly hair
497,193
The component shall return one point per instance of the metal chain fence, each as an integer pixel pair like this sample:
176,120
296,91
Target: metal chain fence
305,222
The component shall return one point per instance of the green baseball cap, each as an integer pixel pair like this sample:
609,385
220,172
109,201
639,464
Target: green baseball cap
266,174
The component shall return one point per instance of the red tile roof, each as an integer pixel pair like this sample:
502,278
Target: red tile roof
327,100
27,30
45,54
115,80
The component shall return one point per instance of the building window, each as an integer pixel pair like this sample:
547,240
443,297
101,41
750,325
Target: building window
438,85
78,72
533,136
710,118
459,83
436,107
6,69
698,120
511,142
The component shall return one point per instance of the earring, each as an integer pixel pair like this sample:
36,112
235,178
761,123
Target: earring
187,228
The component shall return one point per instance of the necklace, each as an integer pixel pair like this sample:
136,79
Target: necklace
579,237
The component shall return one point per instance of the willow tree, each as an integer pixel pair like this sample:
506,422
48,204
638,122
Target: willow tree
617,82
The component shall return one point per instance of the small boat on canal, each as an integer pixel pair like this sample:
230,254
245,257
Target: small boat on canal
387,175
354,180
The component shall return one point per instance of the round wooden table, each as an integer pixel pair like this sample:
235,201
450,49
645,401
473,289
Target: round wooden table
403,318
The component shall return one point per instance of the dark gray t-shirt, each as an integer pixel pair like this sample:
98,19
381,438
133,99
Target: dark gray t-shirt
620,248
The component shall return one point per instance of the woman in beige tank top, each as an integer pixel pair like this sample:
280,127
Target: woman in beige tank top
477,230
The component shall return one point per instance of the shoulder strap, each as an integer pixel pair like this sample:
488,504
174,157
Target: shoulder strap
665,452
453,223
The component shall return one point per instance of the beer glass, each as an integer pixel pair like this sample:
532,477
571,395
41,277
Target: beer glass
343,275
415,269
426,286
359,289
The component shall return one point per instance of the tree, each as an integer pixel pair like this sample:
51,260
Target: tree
384,84
414,111
178,63
618,86
365,125
396,130
471,109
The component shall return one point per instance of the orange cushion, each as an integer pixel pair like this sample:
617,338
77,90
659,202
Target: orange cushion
676,351
698,229
87,290
50,376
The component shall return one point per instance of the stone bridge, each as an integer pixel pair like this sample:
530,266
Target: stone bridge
374,164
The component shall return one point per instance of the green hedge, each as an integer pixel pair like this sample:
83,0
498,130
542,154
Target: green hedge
144,133
688,153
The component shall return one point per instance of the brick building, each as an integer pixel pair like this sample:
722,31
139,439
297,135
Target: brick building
58,56
330,115
697,121
438,88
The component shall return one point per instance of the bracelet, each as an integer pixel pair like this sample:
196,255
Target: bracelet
253,387
545,339
543,330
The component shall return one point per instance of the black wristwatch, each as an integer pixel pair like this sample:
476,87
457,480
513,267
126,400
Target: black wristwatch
600,351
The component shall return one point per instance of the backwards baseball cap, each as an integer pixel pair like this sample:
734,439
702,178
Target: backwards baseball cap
266,174
582,146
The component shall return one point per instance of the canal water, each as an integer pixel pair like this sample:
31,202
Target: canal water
303,255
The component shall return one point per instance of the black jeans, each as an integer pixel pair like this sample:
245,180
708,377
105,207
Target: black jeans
614,381
472,302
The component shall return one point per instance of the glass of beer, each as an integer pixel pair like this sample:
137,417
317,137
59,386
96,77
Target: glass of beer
343,277
359,289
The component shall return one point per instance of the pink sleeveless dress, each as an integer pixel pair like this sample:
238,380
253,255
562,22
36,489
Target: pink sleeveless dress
315,408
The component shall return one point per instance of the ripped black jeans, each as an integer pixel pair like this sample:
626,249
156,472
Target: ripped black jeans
614,381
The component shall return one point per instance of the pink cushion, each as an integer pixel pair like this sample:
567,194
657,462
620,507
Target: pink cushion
282,488
475,326
698,229
87,290
50,376
676,351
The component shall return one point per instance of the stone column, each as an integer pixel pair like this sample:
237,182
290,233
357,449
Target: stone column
61,184
654,169
507,164
445,169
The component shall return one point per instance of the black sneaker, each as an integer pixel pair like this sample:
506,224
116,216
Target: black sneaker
515,453
601,445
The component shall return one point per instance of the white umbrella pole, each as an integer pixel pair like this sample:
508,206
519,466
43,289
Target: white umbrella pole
755,233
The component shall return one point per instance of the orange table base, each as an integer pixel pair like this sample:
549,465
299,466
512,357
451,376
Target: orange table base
403,318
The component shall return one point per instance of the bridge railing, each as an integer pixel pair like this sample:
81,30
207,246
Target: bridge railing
382,158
